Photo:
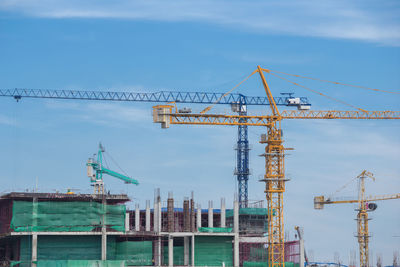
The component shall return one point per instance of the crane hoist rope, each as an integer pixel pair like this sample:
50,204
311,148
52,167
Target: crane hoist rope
96,169
319,93
227,93
273,72
337,83
342,187
364,206
274,177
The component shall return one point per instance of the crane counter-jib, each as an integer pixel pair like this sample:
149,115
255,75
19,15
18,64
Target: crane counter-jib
237,101
164,115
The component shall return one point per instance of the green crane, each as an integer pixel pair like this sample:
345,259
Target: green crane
95,171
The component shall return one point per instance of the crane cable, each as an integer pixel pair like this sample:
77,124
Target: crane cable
338,83
314,91
227,93
115,162
341,188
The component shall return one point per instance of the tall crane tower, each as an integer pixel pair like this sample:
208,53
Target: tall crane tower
238,103
96,169
274,176
365,205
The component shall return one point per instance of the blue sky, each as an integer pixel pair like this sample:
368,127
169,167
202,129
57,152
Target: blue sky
205,46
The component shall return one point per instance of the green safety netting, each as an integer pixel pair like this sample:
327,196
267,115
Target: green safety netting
178,255
255,264
258,254
66,216
213,251
72,263
215,230
248,211
135,253
265,263
65,247
60,249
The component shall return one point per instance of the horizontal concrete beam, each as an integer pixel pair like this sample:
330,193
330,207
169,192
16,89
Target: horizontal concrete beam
63,233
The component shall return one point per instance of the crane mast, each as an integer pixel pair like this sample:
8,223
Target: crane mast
274,179
238,102
364,206
274,176
96,169
362,220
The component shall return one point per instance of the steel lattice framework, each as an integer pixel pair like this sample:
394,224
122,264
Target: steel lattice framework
242,154
362,215
274,177
161,96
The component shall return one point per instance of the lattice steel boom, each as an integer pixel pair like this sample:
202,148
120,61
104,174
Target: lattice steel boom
364,206
274,177
242,170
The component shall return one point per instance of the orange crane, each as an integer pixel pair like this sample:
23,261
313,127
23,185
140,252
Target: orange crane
364,205
274,177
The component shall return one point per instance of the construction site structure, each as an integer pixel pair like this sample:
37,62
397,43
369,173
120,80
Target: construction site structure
274,176
238,104
365,205
96,169
69,230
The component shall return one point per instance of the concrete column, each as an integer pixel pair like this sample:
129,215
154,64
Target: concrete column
159,212
159,251
147,229
236,230
170,251
301,252
170,213
158,242
127,226
198,216
186,215
34,249
223,216
104,232
137,218
236,216
210,214
155,216
186,250
192,214
193,248
103,245
236,251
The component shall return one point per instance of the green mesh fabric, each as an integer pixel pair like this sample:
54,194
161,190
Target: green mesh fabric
63,247
213,251
215,230
248,211
254,264
178,255
135,253
72,263
265,263
65,216
258,254
70,250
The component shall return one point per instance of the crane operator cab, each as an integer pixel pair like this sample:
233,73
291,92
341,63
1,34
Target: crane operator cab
292,101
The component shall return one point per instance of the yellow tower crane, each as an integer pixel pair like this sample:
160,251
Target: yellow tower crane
274,177
364,205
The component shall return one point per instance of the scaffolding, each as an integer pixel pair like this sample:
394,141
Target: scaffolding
87,230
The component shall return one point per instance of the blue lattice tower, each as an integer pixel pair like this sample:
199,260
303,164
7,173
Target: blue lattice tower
242,153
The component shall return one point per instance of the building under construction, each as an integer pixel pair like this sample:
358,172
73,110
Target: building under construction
55,229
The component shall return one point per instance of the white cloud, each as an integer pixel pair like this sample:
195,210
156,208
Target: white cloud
6,120
111,114
356,20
